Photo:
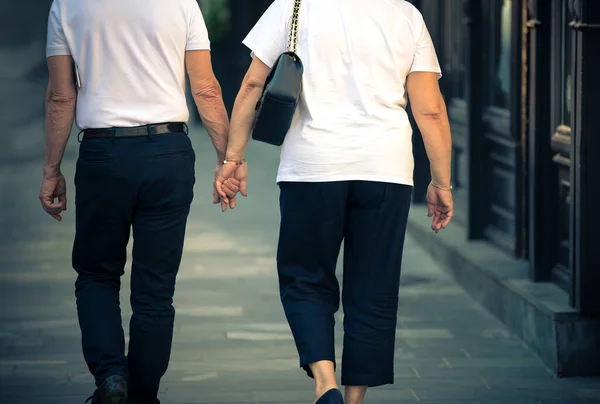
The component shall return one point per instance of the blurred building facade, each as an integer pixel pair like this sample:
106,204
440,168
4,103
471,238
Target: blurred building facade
23,22
520,81
521,85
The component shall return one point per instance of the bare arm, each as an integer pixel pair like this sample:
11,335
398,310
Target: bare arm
209,99
61,98
244,109
242,119
429,110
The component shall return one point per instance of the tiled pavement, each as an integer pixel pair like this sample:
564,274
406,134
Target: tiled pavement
232,344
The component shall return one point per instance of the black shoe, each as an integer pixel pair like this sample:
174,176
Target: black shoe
333,396
136,400
113,390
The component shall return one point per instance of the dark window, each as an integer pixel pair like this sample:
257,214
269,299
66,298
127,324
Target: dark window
500,46
566,71
460,49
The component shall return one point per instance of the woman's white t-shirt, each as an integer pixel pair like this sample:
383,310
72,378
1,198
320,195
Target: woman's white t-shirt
351,123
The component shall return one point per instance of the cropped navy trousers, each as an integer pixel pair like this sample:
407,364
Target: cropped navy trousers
370,219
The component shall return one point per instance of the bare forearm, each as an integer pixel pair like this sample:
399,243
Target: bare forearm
244,113
214,117
60,114
435,130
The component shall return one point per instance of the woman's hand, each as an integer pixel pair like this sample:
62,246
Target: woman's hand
439,206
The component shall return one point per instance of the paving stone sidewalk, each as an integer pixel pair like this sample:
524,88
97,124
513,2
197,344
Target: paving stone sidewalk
232,344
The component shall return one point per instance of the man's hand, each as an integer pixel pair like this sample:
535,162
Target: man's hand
231,179
54,187
440,207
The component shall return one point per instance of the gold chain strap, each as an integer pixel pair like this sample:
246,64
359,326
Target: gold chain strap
293,38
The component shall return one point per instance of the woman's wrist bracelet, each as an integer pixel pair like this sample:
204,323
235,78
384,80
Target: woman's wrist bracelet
238,162
440,187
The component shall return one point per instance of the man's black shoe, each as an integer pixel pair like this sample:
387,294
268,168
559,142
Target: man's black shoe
137,400
113,390
140,400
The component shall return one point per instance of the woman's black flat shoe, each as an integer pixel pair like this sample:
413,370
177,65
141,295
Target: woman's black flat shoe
333,396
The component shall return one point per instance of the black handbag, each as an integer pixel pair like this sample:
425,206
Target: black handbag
277,105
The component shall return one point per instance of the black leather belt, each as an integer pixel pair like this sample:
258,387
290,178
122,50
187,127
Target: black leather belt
136,131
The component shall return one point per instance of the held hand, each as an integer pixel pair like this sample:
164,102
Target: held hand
439,206
232,188
54,187
232,179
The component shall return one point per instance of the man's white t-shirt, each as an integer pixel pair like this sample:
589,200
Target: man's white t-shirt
351,123
130,55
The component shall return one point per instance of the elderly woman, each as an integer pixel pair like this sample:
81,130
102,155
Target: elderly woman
346,174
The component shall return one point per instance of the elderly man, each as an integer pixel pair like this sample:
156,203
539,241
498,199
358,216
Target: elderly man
119,67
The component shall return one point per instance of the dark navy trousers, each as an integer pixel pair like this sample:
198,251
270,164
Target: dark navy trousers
144,184
370,218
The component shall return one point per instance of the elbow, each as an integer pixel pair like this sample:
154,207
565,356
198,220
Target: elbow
209,90
434,111
250,90
434,116
62,100
252,84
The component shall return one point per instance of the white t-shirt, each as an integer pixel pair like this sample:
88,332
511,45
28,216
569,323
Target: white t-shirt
351,123
130,56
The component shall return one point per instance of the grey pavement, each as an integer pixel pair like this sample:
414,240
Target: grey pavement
232,343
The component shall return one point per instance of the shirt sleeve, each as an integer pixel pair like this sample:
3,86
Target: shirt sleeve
198,38
425,58
56,42
268,39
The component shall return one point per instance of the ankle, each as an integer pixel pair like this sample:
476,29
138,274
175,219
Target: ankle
323,388
324,375
355,394
323,385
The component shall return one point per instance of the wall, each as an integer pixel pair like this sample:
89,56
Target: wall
23,22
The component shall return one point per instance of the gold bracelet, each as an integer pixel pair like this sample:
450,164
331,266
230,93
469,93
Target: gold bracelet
237,162
440,187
